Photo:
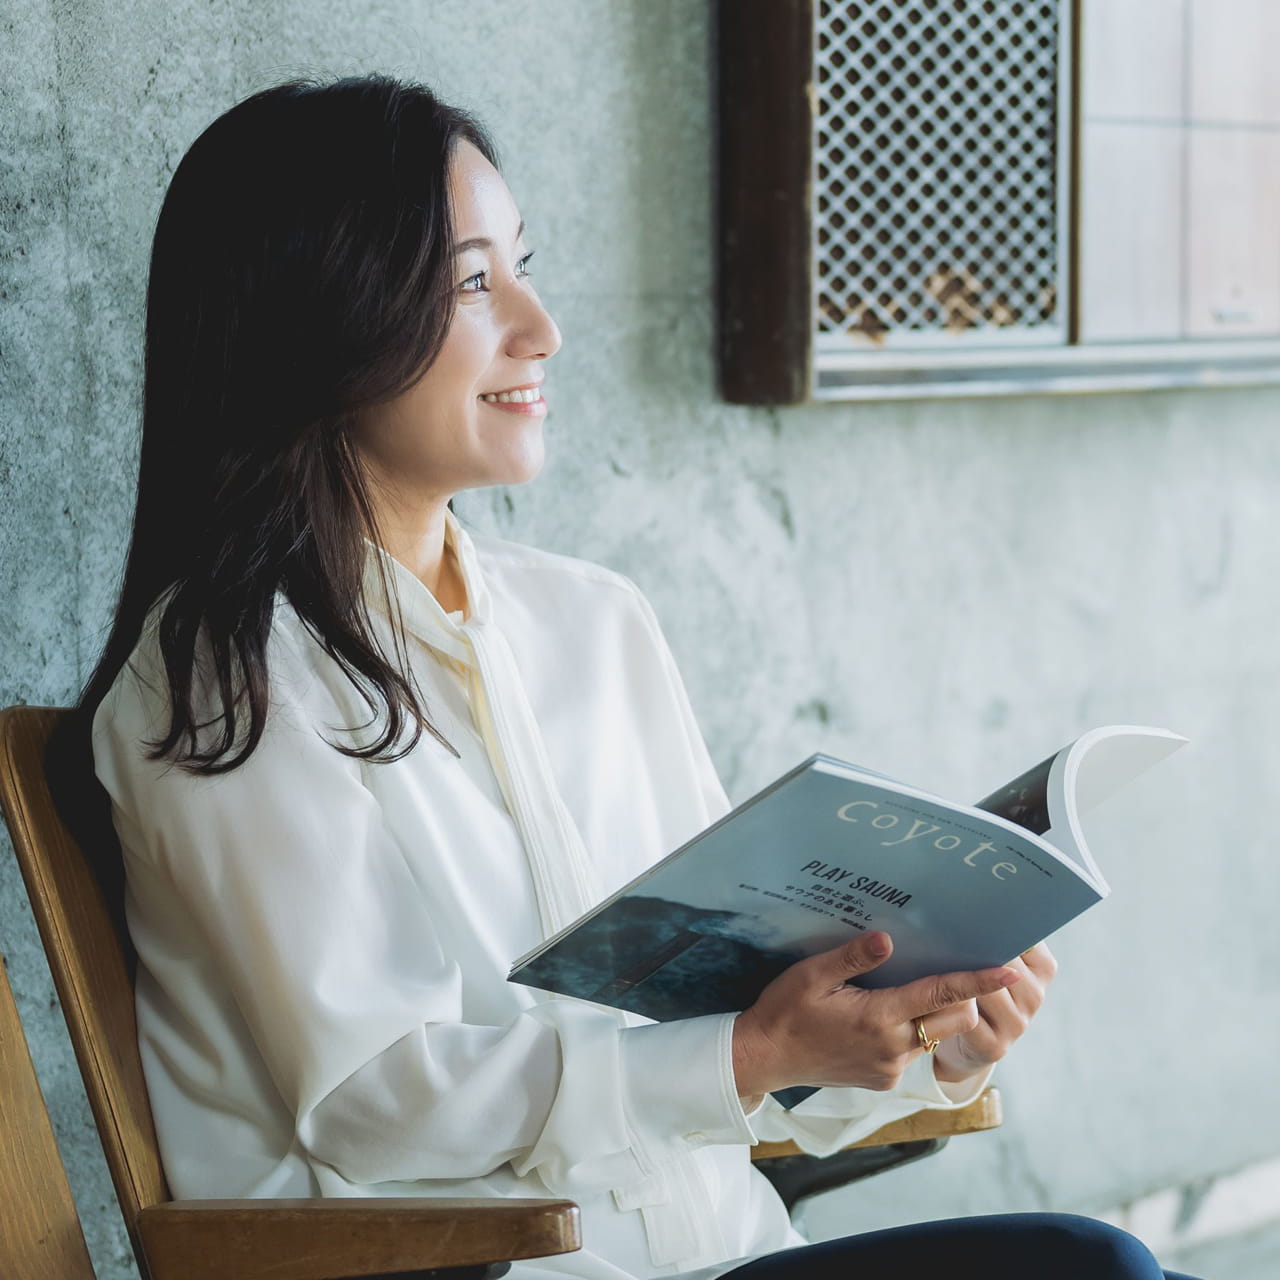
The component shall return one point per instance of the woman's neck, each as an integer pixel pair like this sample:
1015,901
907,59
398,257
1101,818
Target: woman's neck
420,546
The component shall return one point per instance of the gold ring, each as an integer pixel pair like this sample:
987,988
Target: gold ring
922,1035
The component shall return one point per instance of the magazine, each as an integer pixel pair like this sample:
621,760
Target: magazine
830,850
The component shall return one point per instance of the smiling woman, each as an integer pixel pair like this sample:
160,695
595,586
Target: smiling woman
474,418
360,759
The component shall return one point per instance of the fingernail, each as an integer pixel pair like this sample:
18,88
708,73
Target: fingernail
878,944
1009,977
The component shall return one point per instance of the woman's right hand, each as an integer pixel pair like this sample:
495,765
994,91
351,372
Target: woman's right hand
810,1027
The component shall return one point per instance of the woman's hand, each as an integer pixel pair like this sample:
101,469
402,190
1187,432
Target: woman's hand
1002,1017
809,1027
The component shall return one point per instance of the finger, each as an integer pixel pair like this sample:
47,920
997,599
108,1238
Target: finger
1002,1015
1000,1024
1029,993
956,1020
1027,996
1040,961
928,995
866,952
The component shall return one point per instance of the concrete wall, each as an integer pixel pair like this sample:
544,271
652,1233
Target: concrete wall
945,590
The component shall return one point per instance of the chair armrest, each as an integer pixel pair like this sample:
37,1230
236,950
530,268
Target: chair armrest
983,1112
329,1239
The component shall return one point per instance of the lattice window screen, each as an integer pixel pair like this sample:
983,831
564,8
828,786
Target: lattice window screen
939,170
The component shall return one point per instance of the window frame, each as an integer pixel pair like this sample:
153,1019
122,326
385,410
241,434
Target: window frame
769,347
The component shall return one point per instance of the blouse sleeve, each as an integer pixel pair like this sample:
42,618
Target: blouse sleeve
301,908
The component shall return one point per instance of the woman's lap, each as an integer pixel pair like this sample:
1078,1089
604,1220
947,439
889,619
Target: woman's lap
1015,1246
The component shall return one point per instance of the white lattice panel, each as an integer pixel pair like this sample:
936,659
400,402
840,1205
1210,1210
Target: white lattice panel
940,173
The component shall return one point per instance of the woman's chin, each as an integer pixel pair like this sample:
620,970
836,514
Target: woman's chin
526,464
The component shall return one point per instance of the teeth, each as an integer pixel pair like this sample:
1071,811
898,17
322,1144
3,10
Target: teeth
526,396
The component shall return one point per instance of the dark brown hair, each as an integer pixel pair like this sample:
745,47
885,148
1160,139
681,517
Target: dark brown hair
301,271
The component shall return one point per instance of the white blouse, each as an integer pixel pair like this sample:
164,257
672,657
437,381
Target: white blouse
323,1006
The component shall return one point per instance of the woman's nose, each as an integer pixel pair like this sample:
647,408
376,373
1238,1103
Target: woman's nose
534,334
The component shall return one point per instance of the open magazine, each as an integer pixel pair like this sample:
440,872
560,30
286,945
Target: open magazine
830,850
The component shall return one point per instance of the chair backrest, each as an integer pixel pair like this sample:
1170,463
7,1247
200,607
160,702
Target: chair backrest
41,1237
89,955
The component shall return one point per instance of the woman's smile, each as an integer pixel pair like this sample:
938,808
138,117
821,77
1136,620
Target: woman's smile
523,399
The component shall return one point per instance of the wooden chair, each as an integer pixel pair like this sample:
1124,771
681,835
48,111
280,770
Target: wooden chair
324,1239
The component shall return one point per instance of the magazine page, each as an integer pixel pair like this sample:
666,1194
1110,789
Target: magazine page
1049,798
1091,770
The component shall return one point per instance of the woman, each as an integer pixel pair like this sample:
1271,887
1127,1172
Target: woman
359,760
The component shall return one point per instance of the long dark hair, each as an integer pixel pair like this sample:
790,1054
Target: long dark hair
301,271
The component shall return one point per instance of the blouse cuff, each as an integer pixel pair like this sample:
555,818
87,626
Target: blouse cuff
918,1084
919,1081
678,1080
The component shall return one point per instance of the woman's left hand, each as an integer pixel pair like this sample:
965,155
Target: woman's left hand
1002,1018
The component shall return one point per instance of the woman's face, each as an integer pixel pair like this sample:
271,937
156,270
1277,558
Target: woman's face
450,431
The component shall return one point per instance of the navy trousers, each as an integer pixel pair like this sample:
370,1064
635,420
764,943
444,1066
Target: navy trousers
1011,1246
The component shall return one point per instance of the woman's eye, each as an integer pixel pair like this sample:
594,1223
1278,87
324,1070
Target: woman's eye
479,283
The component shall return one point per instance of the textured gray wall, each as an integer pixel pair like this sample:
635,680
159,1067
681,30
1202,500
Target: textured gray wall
945,590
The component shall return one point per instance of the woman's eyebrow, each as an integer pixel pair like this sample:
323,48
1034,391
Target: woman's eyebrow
483,242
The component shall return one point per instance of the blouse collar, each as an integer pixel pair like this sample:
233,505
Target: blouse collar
419,610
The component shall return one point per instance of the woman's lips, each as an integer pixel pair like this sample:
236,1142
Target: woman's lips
532,408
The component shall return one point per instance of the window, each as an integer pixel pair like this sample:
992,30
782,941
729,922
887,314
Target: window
964,196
